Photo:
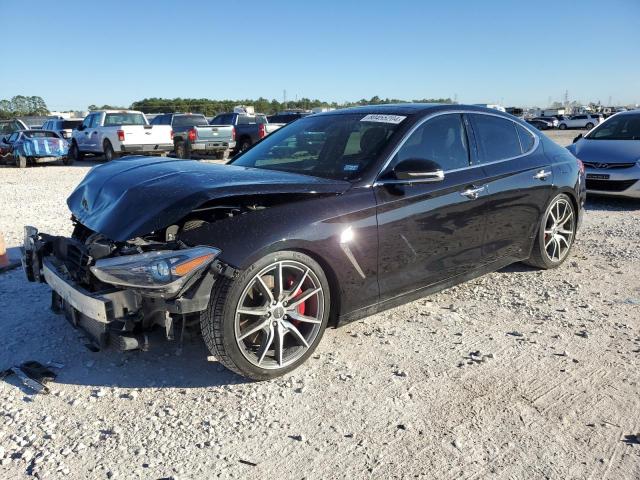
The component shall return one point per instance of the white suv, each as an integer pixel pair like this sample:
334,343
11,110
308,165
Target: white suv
581,121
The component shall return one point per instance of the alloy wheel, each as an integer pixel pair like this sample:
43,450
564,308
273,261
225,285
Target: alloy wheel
279,314
559,230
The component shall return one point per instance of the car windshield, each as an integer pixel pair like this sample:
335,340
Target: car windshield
124,119
40,134
622,127
189,120
331,146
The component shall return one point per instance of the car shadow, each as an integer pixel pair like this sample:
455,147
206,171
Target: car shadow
618,204
164,365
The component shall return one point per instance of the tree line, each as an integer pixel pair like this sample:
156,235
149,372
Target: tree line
210,107
21,105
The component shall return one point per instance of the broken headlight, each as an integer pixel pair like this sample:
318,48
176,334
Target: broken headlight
165,271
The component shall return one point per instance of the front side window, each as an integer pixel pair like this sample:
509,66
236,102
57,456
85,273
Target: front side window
86,123
331,146
497,137
95,121
442,139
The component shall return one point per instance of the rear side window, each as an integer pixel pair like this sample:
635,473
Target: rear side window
527,140
497,137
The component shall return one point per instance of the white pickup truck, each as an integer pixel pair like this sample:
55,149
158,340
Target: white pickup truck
112,133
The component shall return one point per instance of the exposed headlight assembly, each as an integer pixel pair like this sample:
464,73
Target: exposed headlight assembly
164,271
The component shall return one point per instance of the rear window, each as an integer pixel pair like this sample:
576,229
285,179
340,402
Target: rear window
498,137
124,119
189,120
71,124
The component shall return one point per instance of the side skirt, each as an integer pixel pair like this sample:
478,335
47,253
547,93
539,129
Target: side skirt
424,291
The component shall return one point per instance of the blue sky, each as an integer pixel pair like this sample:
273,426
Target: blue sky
515,52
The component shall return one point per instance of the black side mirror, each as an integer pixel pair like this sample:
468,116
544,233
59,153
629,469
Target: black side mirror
418,170
577,138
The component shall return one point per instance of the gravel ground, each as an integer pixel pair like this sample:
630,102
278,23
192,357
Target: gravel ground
519,374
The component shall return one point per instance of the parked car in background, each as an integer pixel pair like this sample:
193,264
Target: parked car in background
250,128
552,120
587,121
540,124
7,127
267,251
611,155
28,147
112,133
63,127
192,134
287,117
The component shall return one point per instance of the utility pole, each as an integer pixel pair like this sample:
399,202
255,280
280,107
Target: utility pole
284,99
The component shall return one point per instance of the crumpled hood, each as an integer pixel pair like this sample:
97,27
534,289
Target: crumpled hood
606,151
134,196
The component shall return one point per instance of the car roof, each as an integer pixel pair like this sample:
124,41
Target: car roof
409,109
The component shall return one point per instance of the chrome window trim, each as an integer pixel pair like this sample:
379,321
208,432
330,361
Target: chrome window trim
536,141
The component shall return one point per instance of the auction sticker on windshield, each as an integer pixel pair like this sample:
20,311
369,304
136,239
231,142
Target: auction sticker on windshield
375,117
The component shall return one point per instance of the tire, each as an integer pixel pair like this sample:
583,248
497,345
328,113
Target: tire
222,325
68,160
222,155
562,126
540,256
181,150
75,154
589,126
108,151
245,144
21,161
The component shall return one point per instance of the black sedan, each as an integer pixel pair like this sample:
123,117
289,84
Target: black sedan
330,219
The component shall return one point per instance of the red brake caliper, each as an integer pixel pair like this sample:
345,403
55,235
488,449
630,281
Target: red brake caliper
300,307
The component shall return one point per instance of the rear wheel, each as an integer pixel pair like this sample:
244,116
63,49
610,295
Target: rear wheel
563,126
245,144
271,318
21,161
68,160
109,152
555,235
181,150
589,126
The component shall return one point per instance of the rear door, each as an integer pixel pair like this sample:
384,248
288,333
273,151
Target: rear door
429,232
519,180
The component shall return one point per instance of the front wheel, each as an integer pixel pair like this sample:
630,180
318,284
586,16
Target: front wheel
21,161
74,153
589,126
556,234
562,126
271,318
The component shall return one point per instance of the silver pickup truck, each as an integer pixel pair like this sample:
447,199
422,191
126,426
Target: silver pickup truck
192,134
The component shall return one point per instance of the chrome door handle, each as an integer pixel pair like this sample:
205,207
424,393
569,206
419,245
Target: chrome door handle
473,193
542,175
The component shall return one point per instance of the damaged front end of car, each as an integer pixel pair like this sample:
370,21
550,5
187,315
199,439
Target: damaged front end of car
116,292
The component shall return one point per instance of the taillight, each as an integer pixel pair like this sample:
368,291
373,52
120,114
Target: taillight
121,135
580,166
233,134
261,131
171,134
193,134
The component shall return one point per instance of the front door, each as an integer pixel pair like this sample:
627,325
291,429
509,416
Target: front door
429,232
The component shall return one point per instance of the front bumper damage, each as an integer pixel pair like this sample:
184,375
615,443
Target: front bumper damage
113,316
